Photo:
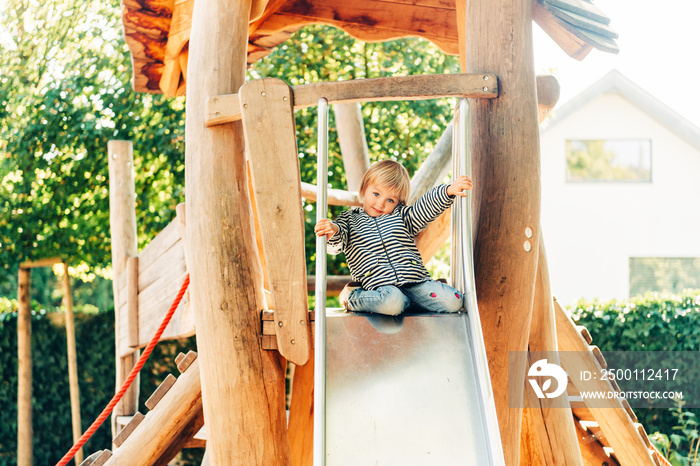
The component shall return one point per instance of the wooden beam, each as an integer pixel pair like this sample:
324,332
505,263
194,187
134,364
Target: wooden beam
610,414
373,21
242,386
163,425
74,388
132,301
267,109
335,196
225,108
122,214
504,140
353,143
41,263
301,415
573,45
551,417
592,451
25,431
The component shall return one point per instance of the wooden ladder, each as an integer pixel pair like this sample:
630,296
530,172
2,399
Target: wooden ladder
175,416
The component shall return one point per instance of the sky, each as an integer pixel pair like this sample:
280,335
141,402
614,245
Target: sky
658,41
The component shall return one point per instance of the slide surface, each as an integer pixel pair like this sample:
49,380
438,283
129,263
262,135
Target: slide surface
402,391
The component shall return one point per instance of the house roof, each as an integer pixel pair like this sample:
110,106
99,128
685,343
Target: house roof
157,31
616,83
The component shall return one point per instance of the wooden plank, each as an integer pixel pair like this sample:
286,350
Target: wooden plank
185,361
570,43
582,7
583,22
132,301
267,109
617,427
385,28
334,283
160,392
184,440
171,259
335,196
128,429
181,325
41,263
102,458
122,215
599,356
552,418
301,415
592,451
163,241
226,108
584,333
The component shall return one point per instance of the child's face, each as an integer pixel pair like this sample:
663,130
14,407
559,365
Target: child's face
379,200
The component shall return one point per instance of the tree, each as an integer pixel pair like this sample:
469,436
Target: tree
64,92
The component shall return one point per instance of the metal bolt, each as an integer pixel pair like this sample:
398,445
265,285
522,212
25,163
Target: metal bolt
527,246
217,114
262,93
216,100
245,105
114,156
293,342
301,322
486,78
486,89
528,232
285,98
280,323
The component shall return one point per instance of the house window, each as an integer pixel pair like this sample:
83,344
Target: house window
608,160
663,274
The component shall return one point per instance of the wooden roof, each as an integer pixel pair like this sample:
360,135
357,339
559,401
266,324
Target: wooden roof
157,31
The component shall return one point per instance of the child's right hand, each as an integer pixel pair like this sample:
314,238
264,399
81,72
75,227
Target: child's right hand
326,227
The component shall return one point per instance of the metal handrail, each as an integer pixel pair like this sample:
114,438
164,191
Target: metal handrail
320,290
462,267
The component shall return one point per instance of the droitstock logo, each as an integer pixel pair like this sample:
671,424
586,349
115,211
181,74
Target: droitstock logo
542,368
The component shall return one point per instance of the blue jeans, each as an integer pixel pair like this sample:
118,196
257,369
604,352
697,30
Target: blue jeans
430,296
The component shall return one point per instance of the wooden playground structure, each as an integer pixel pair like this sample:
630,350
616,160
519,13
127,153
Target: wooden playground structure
242,243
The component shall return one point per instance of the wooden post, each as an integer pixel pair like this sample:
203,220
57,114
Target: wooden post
551,417
242,386
122,215
72,364
301,415
353,144
25,432
496,37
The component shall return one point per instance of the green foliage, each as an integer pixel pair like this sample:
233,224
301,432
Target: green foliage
681,447
654,322
51,399
64,92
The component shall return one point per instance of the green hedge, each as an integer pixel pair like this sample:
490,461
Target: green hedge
654,322
51,399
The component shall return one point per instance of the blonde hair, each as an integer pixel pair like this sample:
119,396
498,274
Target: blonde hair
390,174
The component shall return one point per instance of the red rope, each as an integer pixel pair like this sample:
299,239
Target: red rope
132,375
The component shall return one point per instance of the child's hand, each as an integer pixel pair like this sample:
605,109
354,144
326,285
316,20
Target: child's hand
326,227
460,186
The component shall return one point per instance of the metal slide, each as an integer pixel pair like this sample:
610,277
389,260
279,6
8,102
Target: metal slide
407,390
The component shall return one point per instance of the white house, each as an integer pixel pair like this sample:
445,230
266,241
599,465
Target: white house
620,195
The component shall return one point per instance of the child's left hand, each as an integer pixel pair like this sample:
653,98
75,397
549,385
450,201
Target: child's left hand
460,186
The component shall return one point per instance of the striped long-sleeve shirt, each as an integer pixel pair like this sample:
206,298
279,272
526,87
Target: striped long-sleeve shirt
382,250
